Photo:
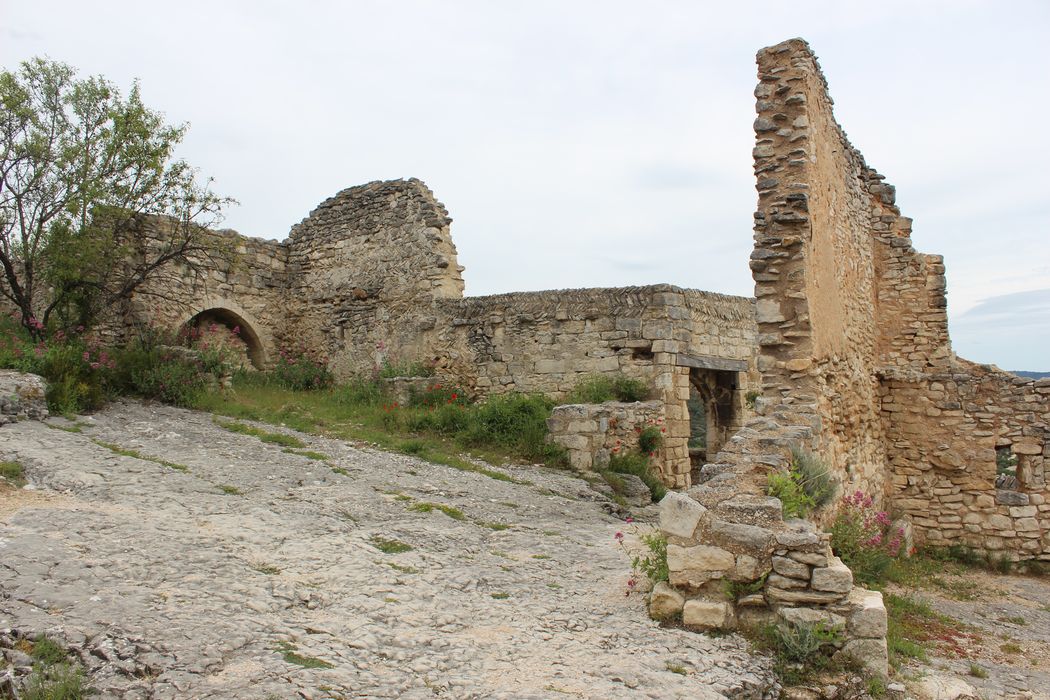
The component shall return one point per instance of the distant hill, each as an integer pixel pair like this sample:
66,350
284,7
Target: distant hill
1032,375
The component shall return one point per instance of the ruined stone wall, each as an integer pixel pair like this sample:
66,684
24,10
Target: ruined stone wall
853,330
365,268
814,266
245,276
592,433
549,341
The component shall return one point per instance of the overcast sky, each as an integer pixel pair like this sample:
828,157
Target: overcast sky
601,143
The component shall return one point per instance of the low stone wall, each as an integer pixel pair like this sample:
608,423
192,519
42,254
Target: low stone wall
591,433
726,529
945,429
22,396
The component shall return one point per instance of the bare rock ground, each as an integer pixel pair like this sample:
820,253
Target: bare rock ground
233,578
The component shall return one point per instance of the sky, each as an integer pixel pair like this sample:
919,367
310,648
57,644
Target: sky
599,143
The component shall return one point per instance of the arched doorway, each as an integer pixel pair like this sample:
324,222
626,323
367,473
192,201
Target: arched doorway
235,324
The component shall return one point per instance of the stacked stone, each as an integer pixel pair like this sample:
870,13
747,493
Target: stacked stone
592,433
745,540
22,397
945,429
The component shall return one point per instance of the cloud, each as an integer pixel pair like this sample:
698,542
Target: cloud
1009,330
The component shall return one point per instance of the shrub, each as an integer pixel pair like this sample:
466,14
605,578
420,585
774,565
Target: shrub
360,392
152,370
652,565
638,465
299,369
437,395
861,537
393,367
807,484
599,388
516,421
650,440
801,650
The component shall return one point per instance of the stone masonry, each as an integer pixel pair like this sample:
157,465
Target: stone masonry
845,345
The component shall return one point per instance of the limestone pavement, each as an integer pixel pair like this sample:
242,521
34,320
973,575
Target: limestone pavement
223,580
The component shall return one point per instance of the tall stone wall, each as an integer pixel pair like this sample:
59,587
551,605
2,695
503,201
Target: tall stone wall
814,265
853,332
365,269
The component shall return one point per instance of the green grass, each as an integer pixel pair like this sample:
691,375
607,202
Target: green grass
541,556
309,454
74,428
427,507
230,490
599,388
638,465
510,428
54,677
676,668
264,435
915,628
290,655
340,471
500,596
498,527
977,672
13,473
135,454
1011,648
389,546
402,568
268,569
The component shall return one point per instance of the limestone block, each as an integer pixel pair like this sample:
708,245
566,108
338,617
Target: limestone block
749,568
801,597
810,616
665,603
778,581
836,577
680,514
791,568
936,686
1027,448
811,558
701,558
738,536
867,614
871,654
707,614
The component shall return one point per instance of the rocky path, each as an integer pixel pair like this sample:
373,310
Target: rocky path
261,573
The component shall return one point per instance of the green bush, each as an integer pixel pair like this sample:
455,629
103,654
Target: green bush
600,388
650,440
638,464
437,395
300,370
861,537
360,392
516,421
654,564
807,484
397,368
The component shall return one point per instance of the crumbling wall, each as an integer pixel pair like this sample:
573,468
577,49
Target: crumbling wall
365,269
592,433
244,276
549,341
853,330
814,266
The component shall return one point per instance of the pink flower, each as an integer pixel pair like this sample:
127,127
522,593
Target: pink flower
618,536
628,519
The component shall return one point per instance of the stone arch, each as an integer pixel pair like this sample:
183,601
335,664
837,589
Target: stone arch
230,315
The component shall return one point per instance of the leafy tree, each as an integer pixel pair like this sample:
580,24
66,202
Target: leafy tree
82,171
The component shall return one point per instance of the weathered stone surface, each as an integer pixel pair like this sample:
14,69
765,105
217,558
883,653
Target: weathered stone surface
680,514
836,577
740,538
939,686
871,654
791,568
800,597
811,616
22,396
694,566
189,591
707,614
866,614
665,603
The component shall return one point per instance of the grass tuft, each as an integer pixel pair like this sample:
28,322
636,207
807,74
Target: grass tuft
389,546
13,473
427,507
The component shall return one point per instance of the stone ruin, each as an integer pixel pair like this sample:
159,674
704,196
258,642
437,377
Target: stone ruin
844,351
